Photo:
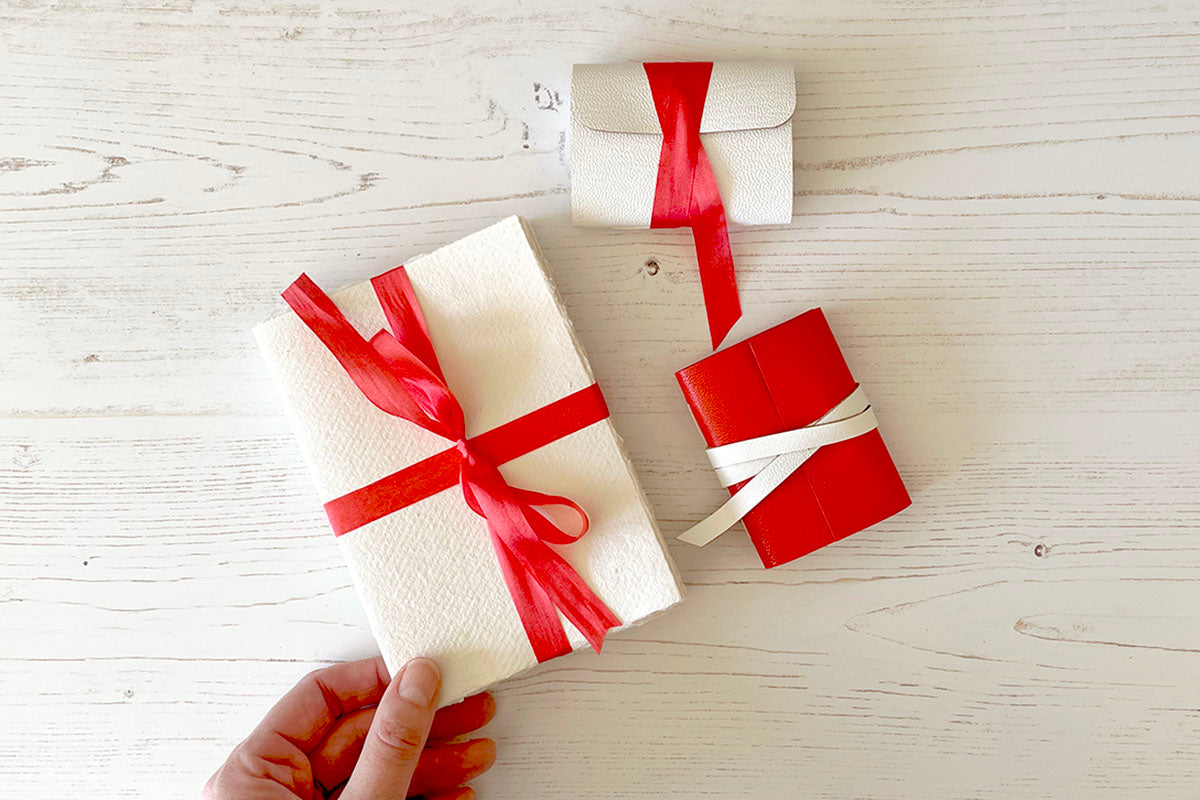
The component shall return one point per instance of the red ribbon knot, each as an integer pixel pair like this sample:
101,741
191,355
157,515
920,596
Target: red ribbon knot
686,193
398,371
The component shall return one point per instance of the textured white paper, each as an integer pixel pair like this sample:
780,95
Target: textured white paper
426,574
746,130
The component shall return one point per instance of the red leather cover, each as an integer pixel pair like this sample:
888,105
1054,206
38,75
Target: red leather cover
786,377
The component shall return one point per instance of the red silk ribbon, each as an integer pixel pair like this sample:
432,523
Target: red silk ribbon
686,193
399,373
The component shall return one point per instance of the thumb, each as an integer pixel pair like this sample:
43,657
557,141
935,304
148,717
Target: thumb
397,735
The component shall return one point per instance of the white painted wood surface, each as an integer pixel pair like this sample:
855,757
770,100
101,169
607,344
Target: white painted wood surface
996,206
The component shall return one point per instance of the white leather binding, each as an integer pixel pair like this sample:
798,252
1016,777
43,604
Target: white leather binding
616,140
767,461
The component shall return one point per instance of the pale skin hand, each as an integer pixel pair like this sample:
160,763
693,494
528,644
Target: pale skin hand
347,732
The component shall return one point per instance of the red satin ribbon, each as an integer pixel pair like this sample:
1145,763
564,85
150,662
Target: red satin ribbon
686,193
398,372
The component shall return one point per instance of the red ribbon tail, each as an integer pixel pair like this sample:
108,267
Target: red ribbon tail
536,610
532,561
578,603
717,279
543,581
711,235
560,582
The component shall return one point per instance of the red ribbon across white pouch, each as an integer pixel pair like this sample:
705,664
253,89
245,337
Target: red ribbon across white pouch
686,194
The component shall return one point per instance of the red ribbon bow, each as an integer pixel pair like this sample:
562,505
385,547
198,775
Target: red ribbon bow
686,193
398,372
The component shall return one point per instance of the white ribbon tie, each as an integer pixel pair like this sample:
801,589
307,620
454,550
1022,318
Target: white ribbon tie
767,461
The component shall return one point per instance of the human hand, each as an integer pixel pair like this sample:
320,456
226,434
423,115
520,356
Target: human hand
345,732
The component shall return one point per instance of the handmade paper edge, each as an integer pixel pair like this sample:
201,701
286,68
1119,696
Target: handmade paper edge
641,492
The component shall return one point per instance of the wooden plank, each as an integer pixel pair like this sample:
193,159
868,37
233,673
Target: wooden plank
995,206
1018,594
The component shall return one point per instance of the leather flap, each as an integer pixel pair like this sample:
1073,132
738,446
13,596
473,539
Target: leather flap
742,95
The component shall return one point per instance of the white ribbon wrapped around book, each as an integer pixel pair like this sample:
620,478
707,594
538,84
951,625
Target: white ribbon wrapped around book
767,461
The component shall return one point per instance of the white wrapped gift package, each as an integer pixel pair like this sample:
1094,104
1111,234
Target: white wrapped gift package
616,142
426,574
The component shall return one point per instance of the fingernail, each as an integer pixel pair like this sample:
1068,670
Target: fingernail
419,682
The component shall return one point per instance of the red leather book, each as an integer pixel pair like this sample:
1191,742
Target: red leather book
783,378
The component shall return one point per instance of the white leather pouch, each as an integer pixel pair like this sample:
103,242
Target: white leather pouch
617,141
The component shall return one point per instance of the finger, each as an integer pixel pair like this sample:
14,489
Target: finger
265,765
306,713
461,793
464,716
393,744
443,768
334,757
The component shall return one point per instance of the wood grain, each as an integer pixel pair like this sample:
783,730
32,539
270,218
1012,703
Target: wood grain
996,205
